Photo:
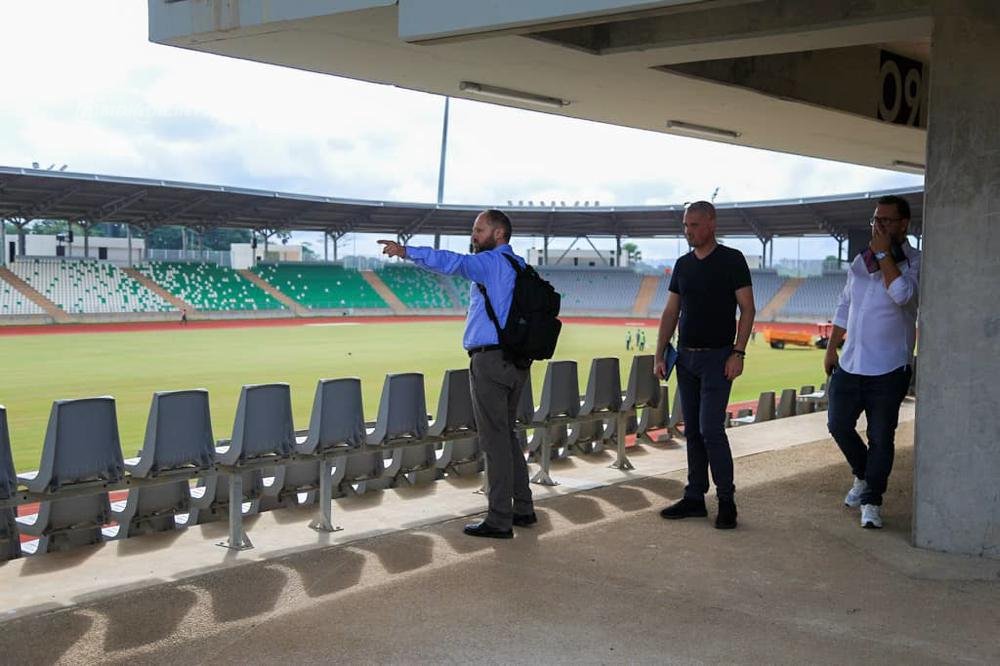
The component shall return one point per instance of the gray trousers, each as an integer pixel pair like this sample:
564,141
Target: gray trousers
496,390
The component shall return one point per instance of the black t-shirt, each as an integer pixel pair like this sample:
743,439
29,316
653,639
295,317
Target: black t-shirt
707,288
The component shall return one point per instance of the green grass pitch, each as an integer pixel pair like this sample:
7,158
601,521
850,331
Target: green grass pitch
38,369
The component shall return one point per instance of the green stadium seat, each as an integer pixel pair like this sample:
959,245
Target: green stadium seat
209,286
321,286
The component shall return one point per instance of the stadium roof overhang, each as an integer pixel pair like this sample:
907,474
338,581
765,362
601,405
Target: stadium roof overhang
824,79
28,194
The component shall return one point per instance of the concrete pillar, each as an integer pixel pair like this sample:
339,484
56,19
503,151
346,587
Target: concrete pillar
336,242
326,246
3,242
545,250
128,231
86,239
437,241
956,495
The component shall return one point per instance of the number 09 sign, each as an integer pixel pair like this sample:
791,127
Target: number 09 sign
901,90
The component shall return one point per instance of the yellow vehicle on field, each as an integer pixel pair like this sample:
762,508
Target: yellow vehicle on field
778,338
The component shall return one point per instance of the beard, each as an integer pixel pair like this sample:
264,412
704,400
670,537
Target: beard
476,248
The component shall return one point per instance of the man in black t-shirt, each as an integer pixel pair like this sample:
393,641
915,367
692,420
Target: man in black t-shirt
706,286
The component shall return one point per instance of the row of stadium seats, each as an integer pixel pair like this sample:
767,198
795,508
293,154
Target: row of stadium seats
208,286
82,450
13,302
321,286
83,286
415,287
608,290
267,464
816,297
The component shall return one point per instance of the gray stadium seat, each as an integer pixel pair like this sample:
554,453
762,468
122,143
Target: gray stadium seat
262,429
402,415
178,437
786,404
644,391
560,398
263,426
336,424
10,542
676,414
455,418
81,449
765,411
656,417
803,406
344,408
603,396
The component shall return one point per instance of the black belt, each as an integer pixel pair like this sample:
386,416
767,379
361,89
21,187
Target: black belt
484,348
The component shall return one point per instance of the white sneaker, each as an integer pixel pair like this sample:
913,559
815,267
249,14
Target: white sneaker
853,498
870,517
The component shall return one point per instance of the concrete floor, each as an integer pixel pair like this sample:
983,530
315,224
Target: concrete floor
600,579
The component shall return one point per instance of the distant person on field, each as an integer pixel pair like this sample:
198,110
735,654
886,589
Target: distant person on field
642,340
628,339
184,316
495,380
878,314
706,285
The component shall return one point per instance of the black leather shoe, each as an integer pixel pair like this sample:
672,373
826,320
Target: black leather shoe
484,530
525,519
685,508
726,520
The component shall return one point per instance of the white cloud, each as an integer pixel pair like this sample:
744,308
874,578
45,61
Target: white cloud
90,91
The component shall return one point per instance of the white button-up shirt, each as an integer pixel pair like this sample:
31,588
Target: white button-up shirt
881,322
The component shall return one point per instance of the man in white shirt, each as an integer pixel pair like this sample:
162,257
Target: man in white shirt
878,314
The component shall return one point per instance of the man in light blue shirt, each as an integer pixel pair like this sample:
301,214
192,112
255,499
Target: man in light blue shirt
496,382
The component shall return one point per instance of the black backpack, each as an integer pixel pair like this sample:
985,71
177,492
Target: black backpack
533,324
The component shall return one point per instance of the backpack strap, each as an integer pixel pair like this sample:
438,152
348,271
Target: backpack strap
490,312
489,308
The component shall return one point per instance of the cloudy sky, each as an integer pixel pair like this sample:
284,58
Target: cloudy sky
84,87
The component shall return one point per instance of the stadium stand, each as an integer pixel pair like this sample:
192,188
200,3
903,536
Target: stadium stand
84,286
321,286
461,289
208,286
603,290
816,298
13,302
415,287
766,284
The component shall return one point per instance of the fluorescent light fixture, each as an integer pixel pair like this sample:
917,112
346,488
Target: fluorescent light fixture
484,90
910,167
702,130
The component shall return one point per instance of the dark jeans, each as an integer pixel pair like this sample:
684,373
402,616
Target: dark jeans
704,392
496,390
879,397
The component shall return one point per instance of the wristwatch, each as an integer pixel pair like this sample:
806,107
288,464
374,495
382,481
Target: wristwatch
879,256
740,353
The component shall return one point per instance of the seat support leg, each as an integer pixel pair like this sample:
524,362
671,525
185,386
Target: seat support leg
324,521
238,539
621,462
542,477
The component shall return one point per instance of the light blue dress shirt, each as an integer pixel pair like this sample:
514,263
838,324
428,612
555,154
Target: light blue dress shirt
487,268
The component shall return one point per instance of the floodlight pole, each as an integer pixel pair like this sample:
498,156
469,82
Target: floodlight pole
444,151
